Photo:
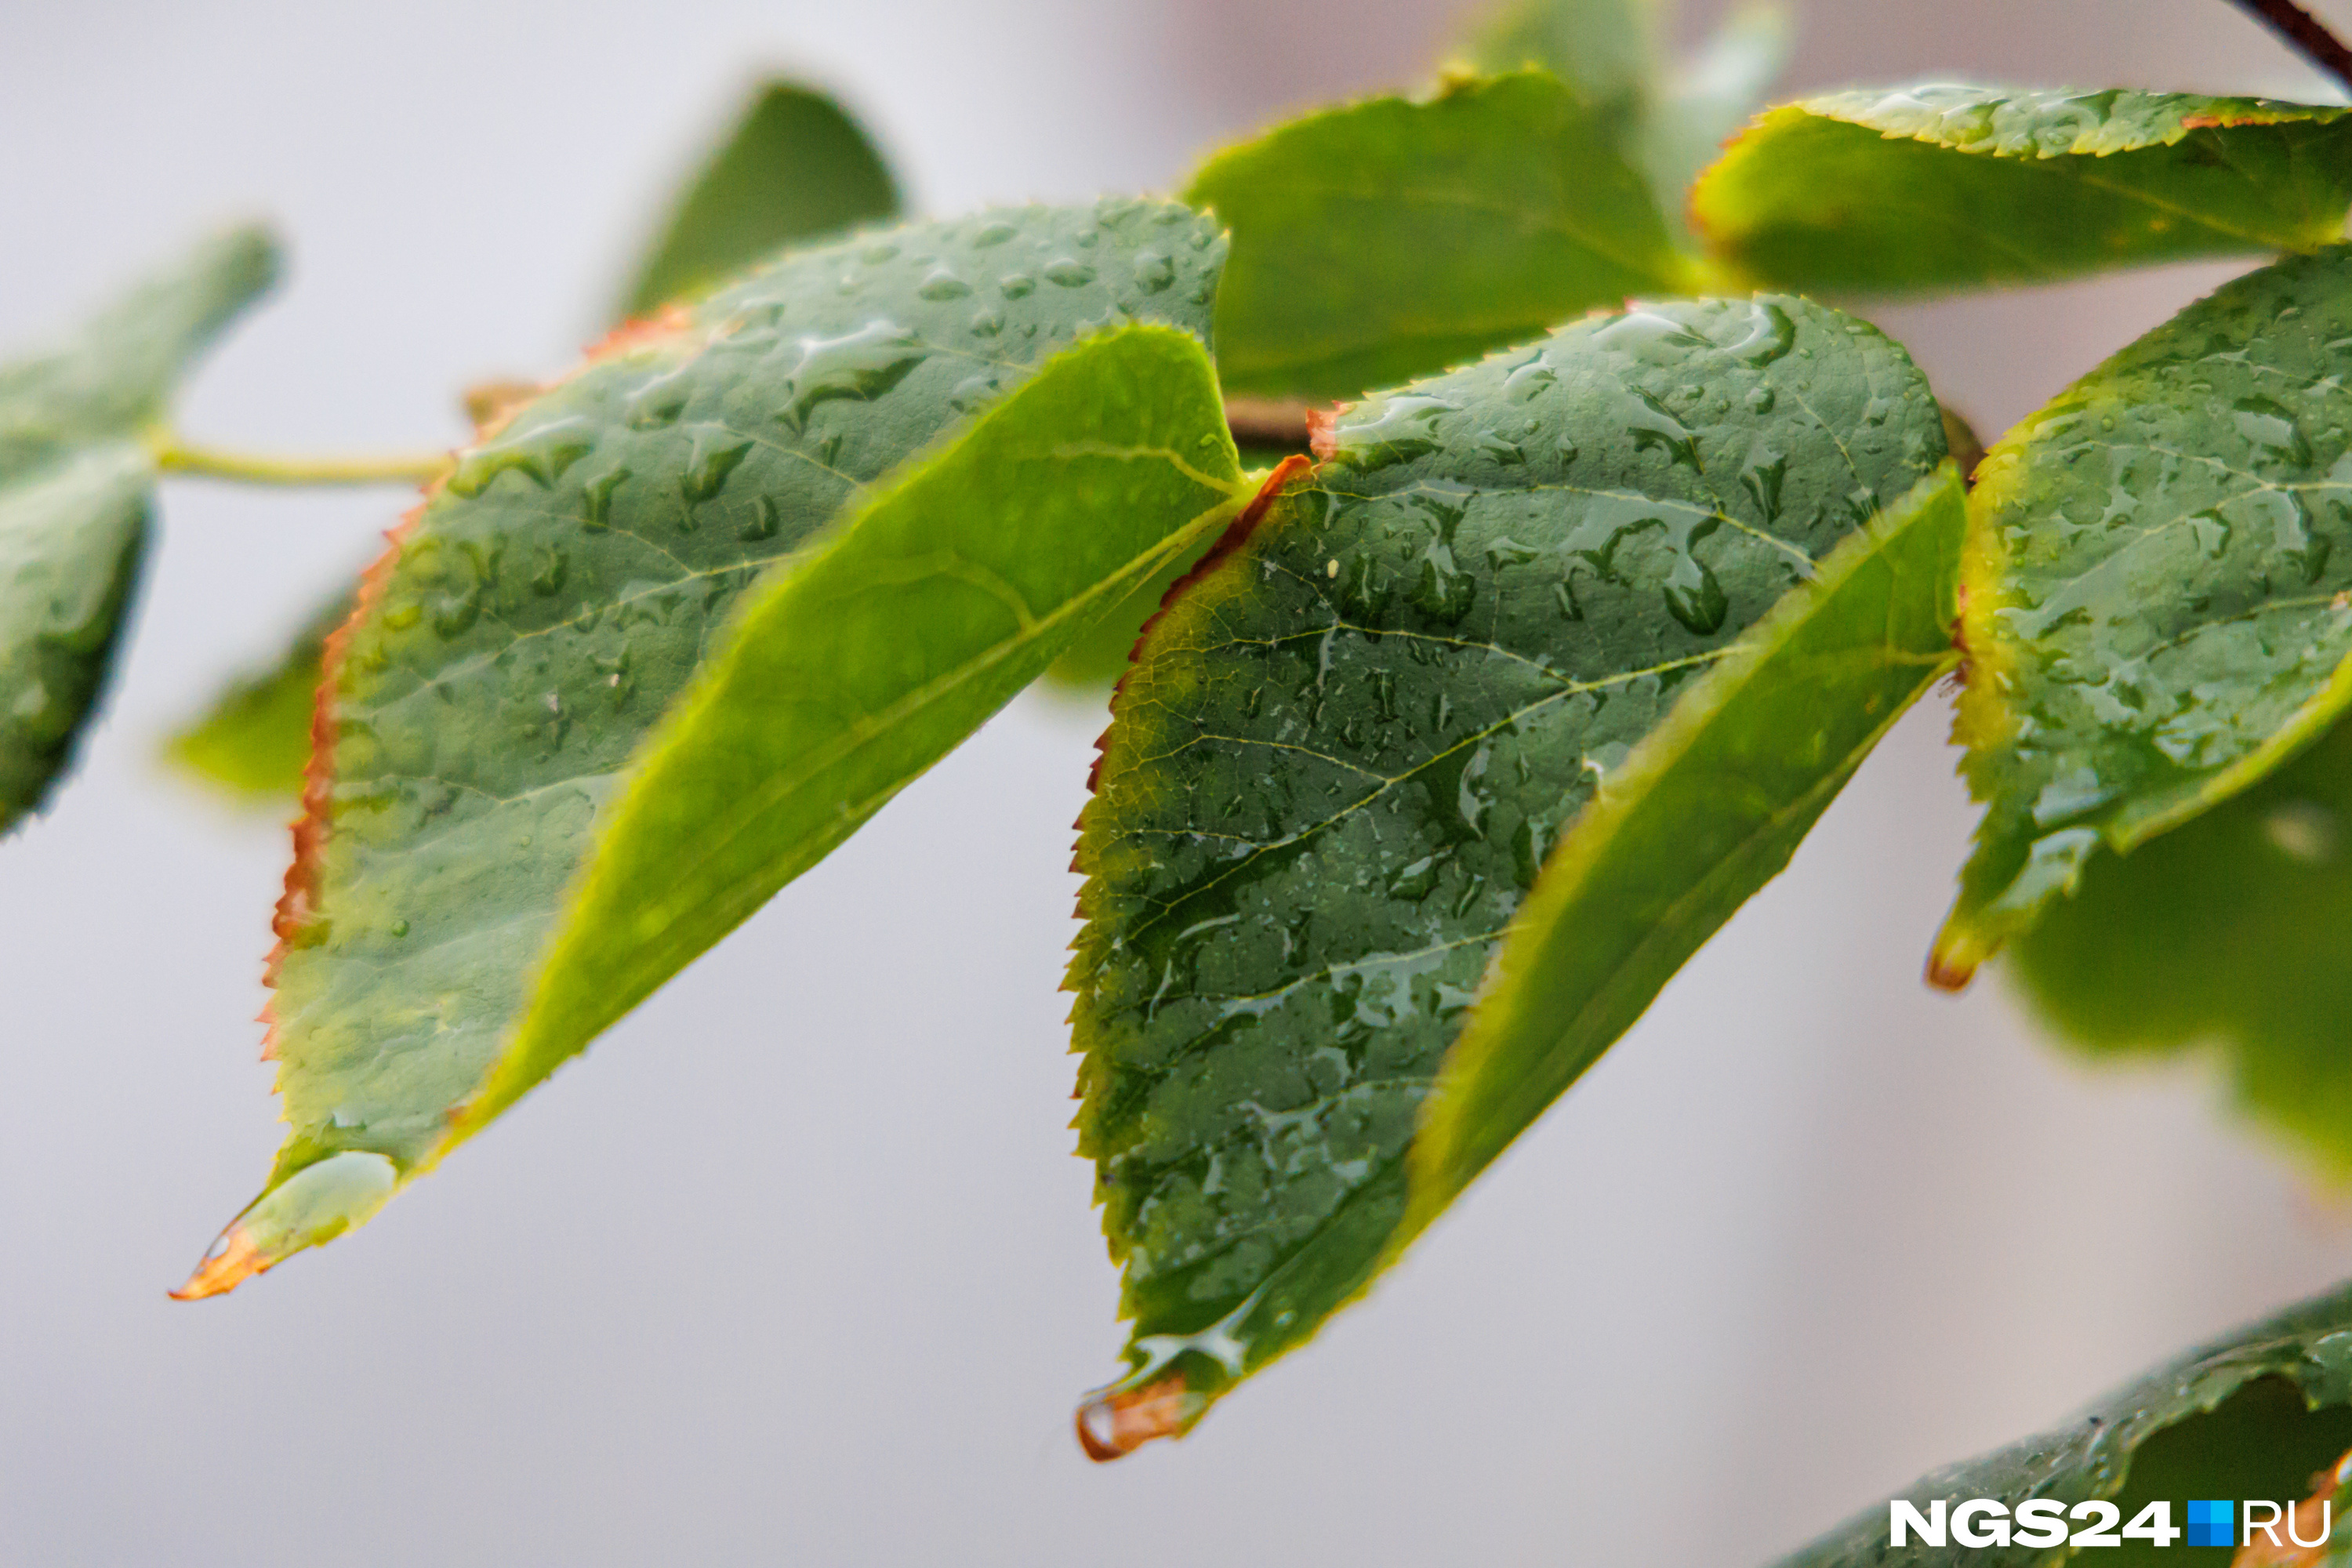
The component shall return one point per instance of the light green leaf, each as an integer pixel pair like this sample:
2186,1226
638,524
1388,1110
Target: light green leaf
2225,934
1098,655
1346,751
2260,1413
1703,812
858,663
1706,99
1392,238
76,491
556,596
1949,186
795,168
2158,590
1606,49
255,740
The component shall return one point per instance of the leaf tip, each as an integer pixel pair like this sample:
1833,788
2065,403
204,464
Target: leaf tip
234,1258
308,1208
1116,1422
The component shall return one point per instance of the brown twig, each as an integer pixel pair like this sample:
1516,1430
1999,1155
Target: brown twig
1265,422
2302,29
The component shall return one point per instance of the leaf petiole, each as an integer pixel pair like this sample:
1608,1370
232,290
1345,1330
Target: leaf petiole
173,456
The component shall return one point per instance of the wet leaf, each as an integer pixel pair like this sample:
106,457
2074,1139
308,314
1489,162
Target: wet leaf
76,491
858,663
2225,935
1392,238
255,740
1347,750
795,168
1949,186
2260,1413
555,594
2158,611
1705,809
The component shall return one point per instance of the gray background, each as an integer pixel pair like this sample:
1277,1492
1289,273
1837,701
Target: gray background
799,1267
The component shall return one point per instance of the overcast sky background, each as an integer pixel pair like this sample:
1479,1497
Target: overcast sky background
797,1266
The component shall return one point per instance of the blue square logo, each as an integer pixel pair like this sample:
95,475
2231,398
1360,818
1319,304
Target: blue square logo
2212,1522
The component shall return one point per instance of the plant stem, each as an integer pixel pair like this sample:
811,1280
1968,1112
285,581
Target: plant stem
1266,422
2310,39
173,456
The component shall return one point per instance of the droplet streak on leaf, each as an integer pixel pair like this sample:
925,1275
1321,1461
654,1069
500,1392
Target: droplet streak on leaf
1949,186
1325,792
483,709
2155,611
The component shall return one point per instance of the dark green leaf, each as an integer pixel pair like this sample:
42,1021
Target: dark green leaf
255,740
1392,238
857,664
76,491
2258,1414
1934,187
1703,812
795,168
552,599
2158,590
1346,751
2226,932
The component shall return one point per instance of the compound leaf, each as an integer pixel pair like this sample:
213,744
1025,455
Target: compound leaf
2158,590
1391,238
77,481
1346,750
2226,932
1949,186
795,168
551,600
855,665
2261,1413
1705,809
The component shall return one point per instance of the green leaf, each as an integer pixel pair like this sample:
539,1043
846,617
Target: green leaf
1346,750
1703,812
1706,101
2157,608
795,168
255,740
2257,1413
554,596
854,666
1606,49
1948,186
2227,932
1391,238
77,485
